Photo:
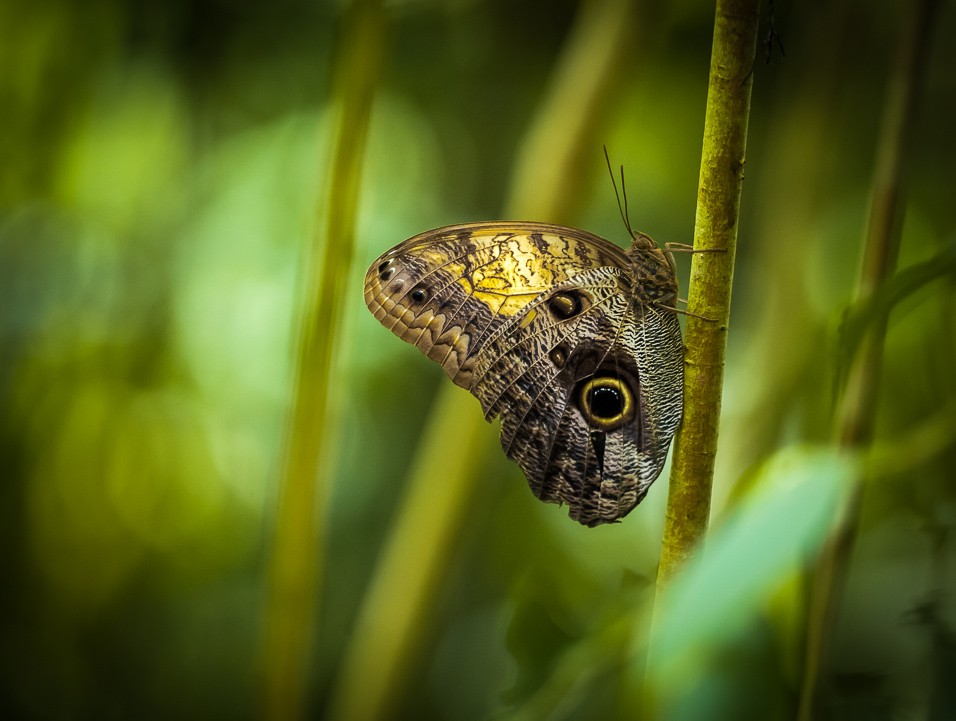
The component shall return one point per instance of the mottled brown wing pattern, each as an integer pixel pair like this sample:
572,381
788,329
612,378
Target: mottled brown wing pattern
557,331
532,374
446,290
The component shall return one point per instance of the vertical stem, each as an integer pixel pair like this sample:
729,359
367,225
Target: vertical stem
711,276
705,338
854,420
295,571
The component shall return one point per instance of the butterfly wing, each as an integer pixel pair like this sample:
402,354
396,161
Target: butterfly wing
446,291
541,323
589,393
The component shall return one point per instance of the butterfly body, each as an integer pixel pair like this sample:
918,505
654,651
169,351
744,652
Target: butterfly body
566,337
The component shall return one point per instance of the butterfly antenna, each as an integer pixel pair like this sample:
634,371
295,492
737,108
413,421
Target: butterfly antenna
627,215
622,209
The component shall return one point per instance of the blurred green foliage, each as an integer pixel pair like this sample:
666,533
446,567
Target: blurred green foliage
161,162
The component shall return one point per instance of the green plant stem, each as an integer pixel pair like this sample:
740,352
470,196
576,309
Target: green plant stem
297,554
705,337
393,624
856,411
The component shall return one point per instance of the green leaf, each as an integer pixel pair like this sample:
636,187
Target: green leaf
751,553
859,318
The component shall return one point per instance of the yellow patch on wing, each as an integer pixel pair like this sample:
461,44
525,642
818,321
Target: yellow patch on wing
513,276
528,319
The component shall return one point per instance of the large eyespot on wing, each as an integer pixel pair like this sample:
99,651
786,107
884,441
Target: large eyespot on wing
565,377
606,400
448,290
635,446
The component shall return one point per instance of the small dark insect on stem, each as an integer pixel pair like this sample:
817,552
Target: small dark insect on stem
767,42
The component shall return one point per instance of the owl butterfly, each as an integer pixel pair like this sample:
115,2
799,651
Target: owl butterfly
570,340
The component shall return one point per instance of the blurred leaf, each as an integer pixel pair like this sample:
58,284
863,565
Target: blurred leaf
748,556
876,308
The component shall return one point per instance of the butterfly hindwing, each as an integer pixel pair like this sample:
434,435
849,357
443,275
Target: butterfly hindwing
534,373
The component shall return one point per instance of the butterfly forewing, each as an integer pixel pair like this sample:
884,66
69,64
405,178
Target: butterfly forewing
548,327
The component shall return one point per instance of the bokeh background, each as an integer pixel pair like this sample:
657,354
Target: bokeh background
162,176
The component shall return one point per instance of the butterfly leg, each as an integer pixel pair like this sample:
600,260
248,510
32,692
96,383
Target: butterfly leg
687,248
684,312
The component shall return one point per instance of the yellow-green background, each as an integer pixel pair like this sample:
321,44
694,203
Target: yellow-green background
160,167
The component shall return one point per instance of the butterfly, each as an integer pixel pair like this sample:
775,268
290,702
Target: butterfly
573,342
